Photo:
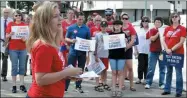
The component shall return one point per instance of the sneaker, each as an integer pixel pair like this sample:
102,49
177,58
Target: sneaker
23,89
79,89
147,86
14,89
166,93
178,95
161,87
138,82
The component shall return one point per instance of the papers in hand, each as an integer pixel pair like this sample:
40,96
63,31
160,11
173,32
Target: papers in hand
90,74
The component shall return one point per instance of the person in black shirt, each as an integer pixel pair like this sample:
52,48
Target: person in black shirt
117,61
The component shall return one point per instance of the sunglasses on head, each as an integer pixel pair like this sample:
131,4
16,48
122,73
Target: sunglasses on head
17,15
174,16
125,18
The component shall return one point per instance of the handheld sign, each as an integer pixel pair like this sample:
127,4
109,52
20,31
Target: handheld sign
84,45
114,41
176,60
20,32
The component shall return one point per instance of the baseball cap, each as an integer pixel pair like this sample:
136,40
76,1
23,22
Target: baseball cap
108,11
104,24
117,22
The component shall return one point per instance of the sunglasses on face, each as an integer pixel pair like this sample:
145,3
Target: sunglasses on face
17,15
174,16
125,18
145,21
108,15
6,12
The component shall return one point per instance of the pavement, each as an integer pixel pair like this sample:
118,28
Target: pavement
88,86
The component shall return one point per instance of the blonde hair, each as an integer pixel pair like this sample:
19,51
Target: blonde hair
41,26
97,17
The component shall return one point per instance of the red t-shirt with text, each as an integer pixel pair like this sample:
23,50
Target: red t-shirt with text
172,37
15,44
45,59
156,45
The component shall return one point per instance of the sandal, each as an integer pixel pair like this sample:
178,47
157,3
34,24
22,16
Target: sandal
113,93
119,94
106,87
99,88
132,89
117,85
126,78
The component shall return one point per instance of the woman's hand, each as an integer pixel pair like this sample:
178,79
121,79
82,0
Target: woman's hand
168,51
23,39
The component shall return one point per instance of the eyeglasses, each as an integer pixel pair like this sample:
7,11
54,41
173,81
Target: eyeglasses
125,18
17,15
6,12
174,16
97,20
145,21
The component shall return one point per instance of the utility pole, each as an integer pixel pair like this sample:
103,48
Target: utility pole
145,12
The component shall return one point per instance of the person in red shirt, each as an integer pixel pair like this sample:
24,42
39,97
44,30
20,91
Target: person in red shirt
65,24
155,51
96,28
109,18
90,22
47,67
130,35
17,50
174,37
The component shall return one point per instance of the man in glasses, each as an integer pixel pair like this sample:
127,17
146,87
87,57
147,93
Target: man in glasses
5,19
109,18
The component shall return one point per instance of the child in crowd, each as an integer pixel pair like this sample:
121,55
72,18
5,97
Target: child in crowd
102,54
117,61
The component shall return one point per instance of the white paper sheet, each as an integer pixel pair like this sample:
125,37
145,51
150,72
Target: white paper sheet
84,45
114,41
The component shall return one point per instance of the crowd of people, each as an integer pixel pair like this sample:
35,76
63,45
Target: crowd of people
51,46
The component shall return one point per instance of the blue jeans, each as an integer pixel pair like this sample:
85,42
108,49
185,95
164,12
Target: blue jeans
72,59
117,64
153,58
18,59
179,79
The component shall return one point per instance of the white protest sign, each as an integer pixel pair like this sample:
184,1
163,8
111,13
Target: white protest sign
114,41
97,67
84,45
20,32
161,35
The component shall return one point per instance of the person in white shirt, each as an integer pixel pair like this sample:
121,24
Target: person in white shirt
142,50
5,19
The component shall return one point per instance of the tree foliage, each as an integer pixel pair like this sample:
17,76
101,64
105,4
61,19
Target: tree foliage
27,5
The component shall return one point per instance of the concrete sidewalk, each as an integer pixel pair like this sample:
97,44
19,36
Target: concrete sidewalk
88,87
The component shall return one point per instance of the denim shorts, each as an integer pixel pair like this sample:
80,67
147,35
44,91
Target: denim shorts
117,64
18,59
